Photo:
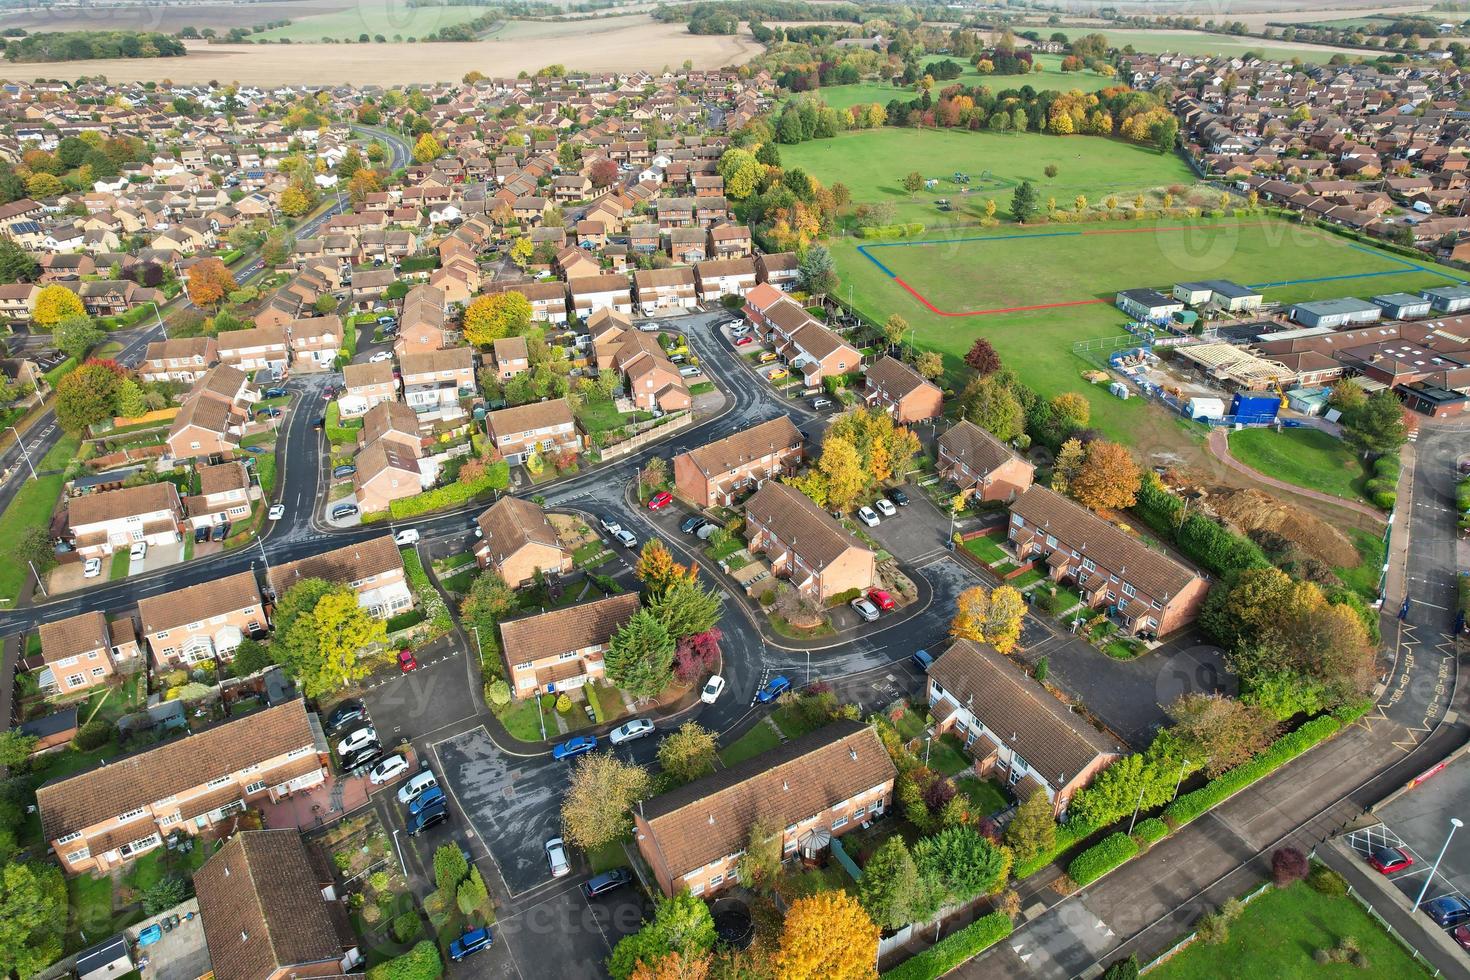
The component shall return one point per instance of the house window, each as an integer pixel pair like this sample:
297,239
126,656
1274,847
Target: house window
839,823
717,881
68,838
130,815
217,782
1089,565
697,889
79,855
789,846
256,786
1128,590
1018,520
98,671
1051,541
75,680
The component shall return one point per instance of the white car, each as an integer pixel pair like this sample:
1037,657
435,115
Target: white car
866,515
388,770
740,330
276,512
380,356
92,568
355,741
626,538
138,551
416,787
406,537
637,728
713,688
609,525
865,609
556,858
885,507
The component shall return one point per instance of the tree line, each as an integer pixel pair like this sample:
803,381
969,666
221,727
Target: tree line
84,45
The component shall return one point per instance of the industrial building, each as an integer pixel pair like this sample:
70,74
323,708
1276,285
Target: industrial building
1449,299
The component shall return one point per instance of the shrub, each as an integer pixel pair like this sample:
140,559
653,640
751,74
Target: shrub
1325,881
404,620
498,693
1288,865
1150,831
497,477
93,735
953,949
1212,928
843,598
1283,750
405,926
1387,467
378,881
768,597
563,704
1102,857
1384,500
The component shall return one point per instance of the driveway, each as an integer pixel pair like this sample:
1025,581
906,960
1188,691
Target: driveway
916,532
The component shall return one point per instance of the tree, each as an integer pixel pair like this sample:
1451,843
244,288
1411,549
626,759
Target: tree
427,148
361,184
673,966
894,328
697,654
295,201
499,315
324,640
1024,201
488,601
656,568
34,546
596,808
420,963
742,173
1347,396
87,395
1126,969
1033,830
827,936
16,264
990,404
913,182
686,608
1220,730
1378,426
962,863
1050,170
760,865
688,753
209,281
842,469
929,364
450,868
55,303
1108,477
816,271
982,358
890,888
989,617
640,656
682,924
602,173
168,891
1068,465
1288,865
33,913
1071,410
251,657
472,894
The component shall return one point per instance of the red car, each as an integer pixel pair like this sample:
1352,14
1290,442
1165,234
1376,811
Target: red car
660,499
1387,860
881,599
743,341
406,661
1462,936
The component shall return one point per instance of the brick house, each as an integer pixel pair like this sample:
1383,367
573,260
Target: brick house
651,379
85,650
202,622
546,427
387,471
394,422
105,817
729,242
901,391
421,322
1148,592
665,290
548,300
797,338
212,414
563,648
805,545
714,474
436,384
1013,727
365,385
978,463
102,523
826,782
517,540
373,568
605,292
256,348
184,359
225,495
724,277
510,357
315,342
780,270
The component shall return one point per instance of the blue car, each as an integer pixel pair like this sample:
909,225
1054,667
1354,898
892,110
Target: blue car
574,747
257,450
428,799
1448,910
472,941
923,660
775,687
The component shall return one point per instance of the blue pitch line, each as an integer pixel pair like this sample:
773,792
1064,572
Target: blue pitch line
863,251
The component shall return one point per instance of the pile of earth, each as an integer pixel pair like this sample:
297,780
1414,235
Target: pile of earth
1251,511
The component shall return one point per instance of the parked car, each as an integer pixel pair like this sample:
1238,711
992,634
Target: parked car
385,320
713,688
767,357
882,600
201,534
609,525
866,515
381,356
885,507
428,800
359,762
898,497
865,609
575,746
138,551
346,469
220,532
407,536
820,403
1462,936
1448,910
345,714
417,786
276,512
344,511
556,858
706,532
740,329
421,822
660,500
257,450
273,393
742,341
1387,860
779,374
689,371
775,687
91,568
388,770
268,413
691,524
407,661
923,660
365,735
471,941
625,538
606,882
628,731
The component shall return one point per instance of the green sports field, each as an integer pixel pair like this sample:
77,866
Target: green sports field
843,96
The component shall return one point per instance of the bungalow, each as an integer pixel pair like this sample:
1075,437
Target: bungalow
1013,728
366,385
714,474
85,650
1147,304
101,523
517,541
374,569
1148,592
814,787
805,545
212,413
561,649
544,427
980,464
665,290
901,391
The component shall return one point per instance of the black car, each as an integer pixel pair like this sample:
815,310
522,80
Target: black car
691,524
424,819
898,497
606,882
201,535
349,711
221,531
363,759
274,393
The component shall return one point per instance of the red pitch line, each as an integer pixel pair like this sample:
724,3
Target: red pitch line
1011,309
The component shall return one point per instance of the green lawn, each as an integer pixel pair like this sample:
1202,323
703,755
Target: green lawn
460,581
845,96
601,415
947,755
608,856
1364,577
121,560
1201,42
1307,458
31,507
761,738
809,881
60,454
986,796
1277,934
790,720
521,718
987,549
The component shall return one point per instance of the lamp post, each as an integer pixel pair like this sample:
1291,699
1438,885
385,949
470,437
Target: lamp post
158,318
1455,824
25,453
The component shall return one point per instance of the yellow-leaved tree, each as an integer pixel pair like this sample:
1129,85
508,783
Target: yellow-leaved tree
490,318
827,936
992,617
55,303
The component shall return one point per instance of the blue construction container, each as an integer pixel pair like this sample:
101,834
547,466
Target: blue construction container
1250,408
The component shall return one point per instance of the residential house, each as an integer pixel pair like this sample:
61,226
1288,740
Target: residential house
393,422
202,622
665,290
421,323
386,472
183,359
256,348
717,278
510,357
364,386
544,427
605,292
714,474
798,339
315,342
104,817
548,300
18,300
438,384
651,379
563,648
805,545
373,568
101,523
86,650
212,414
780,270
980,464
815,787
901,391
517,541
225,495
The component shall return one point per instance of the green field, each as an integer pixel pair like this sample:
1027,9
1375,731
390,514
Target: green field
872,163
371,17
1278,932
1204,43
1304,457
843,96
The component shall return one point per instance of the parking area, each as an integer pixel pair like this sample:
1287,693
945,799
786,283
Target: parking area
564,934
408,706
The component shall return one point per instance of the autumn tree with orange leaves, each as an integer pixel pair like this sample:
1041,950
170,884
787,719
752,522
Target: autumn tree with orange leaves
209,282
1108,478
674,966
827,936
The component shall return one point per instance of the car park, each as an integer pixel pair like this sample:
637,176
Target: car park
381,356
91,568
276,512
575,746
359,762
556,858
388,770
885,507
625,538
366,735
866,515
428,800
713,688
471,941
138,551
882,600
691,524
660,500
1448,910
898,497
773,689
406,537
417,786
407,661
865,609
346,469
349,711
421,822
1387,860
343,511
923,660
606,882
629,731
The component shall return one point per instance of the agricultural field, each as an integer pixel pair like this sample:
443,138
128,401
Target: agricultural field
1204,43
168,18
386,17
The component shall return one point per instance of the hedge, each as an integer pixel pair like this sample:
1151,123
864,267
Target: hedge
892,231
404,620
497,477
60,371
1150,831
1283,750
1207,542
1101,858
954,949
1067,837
590,692
340,433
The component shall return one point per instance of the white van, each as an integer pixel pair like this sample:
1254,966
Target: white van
689,371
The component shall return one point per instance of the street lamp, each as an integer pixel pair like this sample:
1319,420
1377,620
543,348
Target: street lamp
158,316
25,453
1455,824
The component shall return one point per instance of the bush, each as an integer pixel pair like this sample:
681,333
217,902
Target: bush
498,693
1068,835
405,927
1212,929
953,949
843,598
93,735
420,963
404,620
1283,750
563,704
1387,467
1384,499
1325,881
1102,857
497,477
1288,865
598,714
1150,831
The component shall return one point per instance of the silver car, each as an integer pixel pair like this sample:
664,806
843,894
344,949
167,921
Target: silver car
556,858
865,609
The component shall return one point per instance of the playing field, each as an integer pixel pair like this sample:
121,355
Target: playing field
843,96
1205,43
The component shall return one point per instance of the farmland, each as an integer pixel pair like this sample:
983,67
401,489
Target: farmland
372,17
1203,42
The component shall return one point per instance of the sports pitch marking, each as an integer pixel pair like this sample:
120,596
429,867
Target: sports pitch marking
864,251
